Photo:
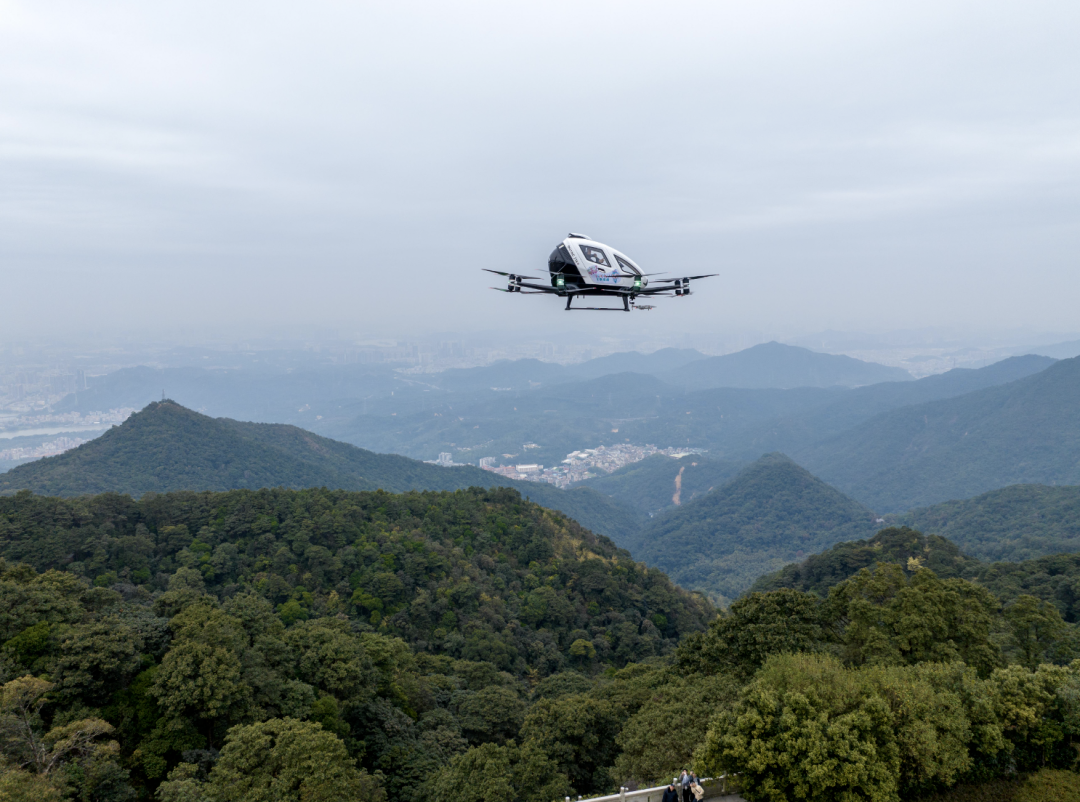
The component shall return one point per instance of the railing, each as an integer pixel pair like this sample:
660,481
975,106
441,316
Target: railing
714,787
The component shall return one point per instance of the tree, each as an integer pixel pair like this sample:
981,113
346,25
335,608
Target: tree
97,659
17,785
491,773
21,701
184,785
490,714
883,617
578,732
76,752
806,727
660,738
285,760
200,681
756,626
331,658
1039,713
1036,628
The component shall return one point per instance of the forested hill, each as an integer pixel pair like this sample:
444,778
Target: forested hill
167,447
474,574
771,513
285,636
1020,522
1053,579
1023,432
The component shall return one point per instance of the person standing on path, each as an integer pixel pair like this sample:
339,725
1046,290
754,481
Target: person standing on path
671,795
684,780
695,788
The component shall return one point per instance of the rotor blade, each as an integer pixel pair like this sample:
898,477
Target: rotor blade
689,278
531,292
501,273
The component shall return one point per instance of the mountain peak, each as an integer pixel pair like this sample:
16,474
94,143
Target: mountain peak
167,447
780,366
772,512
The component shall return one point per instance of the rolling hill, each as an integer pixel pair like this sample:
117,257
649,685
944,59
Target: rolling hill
1019,522
1023,432
771,513
901,545
1053,578
166,448
1066,350
780,366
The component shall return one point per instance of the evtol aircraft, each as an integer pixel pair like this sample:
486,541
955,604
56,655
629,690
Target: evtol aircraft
580,265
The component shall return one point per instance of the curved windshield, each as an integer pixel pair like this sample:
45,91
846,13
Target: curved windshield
595,255
625,265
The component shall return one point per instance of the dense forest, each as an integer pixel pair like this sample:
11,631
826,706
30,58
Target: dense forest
471,646
1054,579
771,513
1019,522
407,627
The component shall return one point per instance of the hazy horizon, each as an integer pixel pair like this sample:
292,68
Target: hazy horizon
843,168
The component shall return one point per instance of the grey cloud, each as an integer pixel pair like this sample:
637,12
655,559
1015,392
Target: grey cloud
842,165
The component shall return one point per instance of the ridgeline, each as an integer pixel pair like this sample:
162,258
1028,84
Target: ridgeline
166,448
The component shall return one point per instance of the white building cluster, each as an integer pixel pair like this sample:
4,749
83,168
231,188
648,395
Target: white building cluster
50,449
581,465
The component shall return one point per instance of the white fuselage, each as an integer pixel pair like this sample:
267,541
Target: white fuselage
601,265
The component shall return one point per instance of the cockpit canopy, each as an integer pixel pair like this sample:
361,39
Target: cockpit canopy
577,253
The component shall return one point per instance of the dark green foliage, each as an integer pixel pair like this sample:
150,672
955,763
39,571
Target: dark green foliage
1045,785
883,617
306,663
887,617
1054,579
905,547
654,484
757,625
166,448
448,572
1024,432
771,513
324,640
807,727
1015,523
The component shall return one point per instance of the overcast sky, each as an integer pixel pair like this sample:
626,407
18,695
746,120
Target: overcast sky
841,165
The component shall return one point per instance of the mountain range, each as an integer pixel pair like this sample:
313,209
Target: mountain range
1023,432
166,448
946,445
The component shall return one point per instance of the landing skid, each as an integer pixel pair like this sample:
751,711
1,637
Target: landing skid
625,302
